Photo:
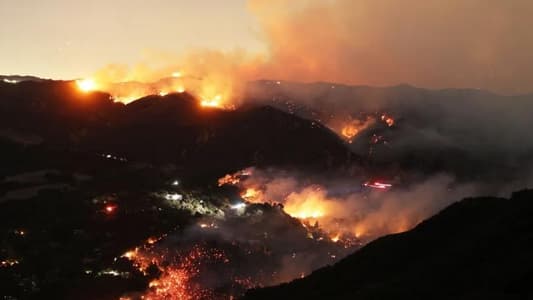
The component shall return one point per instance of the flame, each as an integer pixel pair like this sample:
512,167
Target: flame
212,102
311,203
387,119
234,179
252,195
215,78
86,85
178,273
336,238
349,131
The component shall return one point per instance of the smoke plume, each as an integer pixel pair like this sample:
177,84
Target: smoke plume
434,44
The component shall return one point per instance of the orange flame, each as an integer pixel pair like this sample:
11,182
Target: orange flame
352,128
252,195
86,85
311,203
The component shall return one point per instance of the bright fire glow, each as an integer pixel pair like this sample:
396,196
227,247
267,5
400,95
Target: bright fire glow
336,238
311,203
86,85
387,119
213,102
349,131
252,195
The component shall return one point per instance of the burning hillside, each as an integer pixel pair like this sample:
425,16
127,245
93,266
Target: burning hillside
350,210
217,257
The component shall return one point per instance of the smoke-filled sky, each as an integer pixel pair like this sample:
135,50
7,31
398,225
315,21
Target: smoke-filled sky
430,43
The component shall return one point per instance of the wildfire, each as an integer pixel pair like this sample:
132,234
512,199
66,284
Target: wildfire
234,179
252,195
352,128
86,85
349,131
387,119
213,102
336,238
311,203
178,273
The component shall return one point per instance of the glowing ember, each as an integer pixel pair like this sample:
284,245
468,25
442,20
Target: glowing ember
178,273
86,85
180,90
176,74
387,119
152,240
110,209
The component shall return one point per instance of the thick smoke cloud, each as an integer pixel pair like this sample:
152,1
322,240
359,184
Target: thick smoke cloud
480,43
342,206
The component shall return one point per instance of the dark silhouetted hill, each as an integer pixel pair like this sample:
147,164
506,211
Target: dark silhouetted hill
166,130
479,248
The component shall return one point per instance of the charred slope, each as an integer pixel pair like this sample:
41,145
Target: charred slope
478,248
466,132
170,129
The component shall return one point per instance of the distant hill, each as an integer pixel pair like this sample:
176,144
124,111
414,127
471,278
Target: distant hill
479,248
470,133
19,78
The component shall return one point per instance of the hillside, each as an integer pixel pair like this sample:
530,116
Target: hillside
165,130
478,248
470,133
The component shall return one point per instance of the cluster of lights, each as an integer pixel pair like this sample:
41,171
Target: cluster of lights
10,262
11,81
174,197
113,157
